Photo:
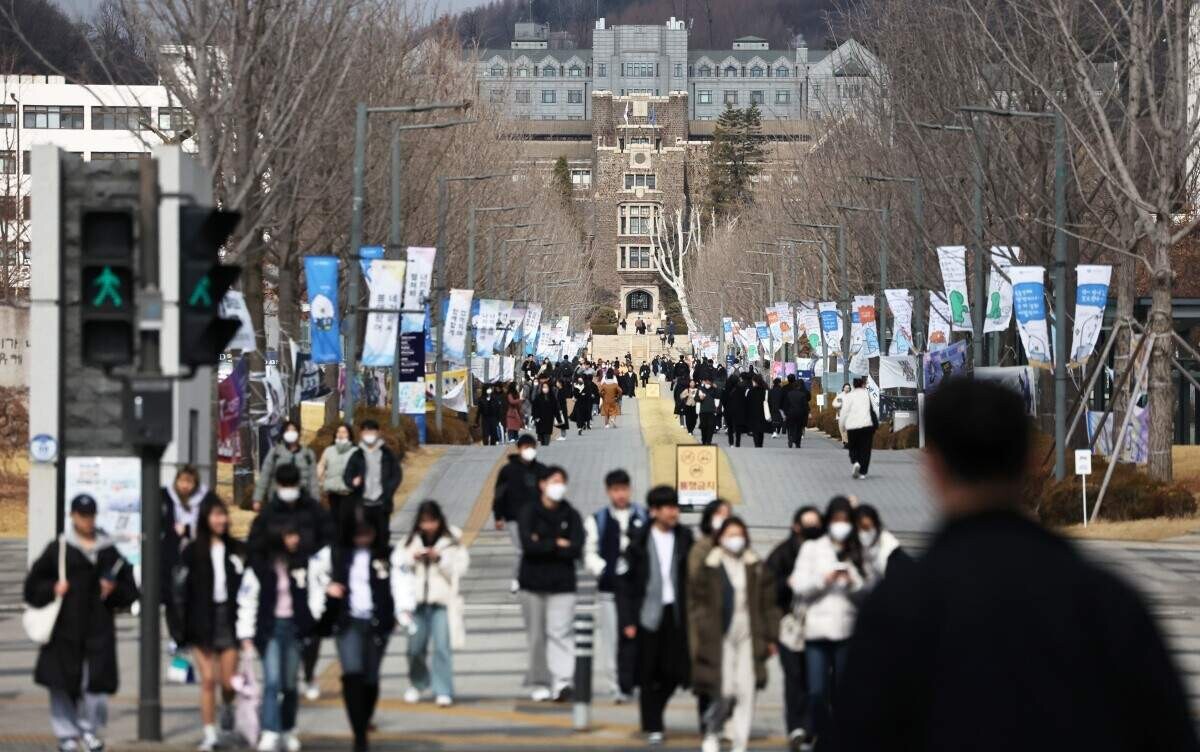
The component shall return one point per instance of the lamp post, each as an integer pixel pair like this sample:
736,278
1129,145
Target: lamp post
844,277
720,324
918,208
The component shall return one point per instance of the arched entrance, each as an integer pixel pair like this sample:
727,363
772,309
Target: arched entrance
639,301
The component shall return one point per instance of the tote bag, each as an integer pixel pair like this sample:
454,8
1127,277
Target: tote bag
39,622
454,615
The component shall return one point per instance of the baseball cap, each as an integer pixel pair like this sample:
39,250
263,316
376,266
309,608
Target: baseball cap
83,504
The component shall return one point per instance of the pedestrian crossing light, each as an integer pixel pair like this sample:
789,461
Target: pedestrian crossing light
203,282
108,311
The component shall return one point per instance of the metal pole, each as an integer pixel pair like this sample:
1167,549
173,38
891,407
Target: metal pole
981,261
885,216
845,296
918,335
356,222
393,251
1060,296
439,267
471,249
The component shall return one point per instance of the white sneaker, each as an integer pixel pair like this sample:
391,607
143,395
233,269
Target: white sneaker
312,692
854,471
541,694
268,741
291,742
93,743
444,701
209,741
655,738
711,743
412,695
514,587
561,438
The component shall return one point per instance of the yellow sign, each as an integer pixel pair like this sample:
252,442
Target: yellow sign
652,389
695,474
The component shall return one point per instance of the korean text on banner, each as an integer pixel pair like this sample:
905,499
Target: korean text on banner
1091,297
516,322
387,290
455,331
787,326
504,310
900,303
939,322
831,323
953,261
695,474
998,312
865,306
485,327
321,273
763,331
1029,306
774,326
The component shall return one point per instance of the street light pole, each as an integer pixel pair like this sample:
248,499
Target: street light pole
845,283
881,310
918,204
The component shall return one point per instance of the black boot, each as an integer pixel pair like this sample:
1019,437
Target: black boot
354,696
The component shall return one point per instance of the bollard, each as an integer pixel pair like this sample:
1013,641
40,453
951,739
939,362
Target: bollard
581,714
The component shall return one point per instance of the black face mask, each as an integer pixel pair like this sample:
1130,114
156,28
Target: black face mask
811,533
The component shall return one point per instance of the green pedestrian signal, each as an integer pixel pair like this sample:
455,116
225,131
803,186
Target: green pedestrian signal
203,282
108,285
200,295
107,304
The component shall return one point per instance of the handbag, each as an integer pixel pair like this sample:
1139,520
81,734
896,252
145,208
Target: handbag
39,621
456,619
249,697
791,627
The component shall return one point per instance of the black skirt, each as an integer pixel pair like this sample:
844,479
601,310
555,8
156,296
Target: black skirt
223,636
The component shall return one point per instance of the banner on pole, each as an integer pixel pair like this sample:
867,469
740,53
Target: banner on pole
727,329
953,261
774,326
410,396
939,322
898,372
367,254
516,322
1029,306
321,274
900,303
1091,297
831,324
387,291
458,311
787,326
950,361
233,306
504,310
1020,379
231,403
485,327
864,305
808,324
998,313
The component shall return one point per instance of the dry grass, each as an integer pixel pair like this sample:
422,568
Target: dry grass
1156,529
1186,460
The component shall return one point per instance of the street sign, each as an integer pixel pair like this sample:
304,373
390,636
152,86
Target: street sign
1083,462
108,309
695,474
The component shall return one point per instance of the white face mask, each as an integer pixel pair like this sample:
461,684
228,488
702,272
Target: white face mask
734,544
556,491
289,495
370,438
867,537
528,454
717,522
341,442
840,531
291,437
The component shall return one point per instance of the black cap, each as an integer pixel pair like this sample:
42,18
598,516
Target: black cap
83,504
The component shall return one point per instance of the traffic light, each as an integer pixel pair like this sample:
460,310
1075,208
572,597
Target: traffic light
107,303
203,282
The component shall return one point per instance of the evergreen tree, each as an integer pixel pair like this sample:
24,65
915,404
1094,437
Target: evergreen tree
735,157
562,180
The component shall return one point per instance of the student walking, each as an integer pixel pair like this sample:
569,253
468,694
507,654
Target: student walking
517,488
795,410
551,544
610,399
581,412
737,623
755,408
181,502
859,421
491,415
706,398
881,552
711,519
436,560
687,405
331,472
838,402
775,407
545,413
204,598
514,412
374,473
288,451
652,600
606,536
562,391
79,663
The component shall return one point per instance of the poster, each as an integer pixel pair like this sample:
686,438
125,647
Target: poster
953,261
868,325
14,347
367,254
231,405
321,274
386,285
531,327
418,277
233,306
998,313
808,324
504,310
695,475
486,321
410,396
831,324
1091,297
1137,436
939,322
898,372
787,327
900,303
763,332
516,319
775,327
950,361
458,311
727,330
116,485
1021,379
1029,306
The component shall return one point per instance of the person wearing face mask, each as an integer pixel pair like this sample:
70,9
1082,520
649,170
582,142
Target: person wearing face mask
562,391
644,372
331,472
545,412
858,420
736,622
838,401
610,399
491,413
374,473
711,519
706,406
828,573
551,546
795,408
806,526
287,452
881,551
517,488
581,411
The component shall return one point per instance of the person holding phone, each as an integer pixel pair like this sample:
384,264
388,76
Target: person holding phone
828,570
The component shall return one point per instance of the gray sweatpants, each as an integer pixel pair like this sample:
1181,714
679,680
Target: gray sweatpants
514,535
72,718
605,654
549,622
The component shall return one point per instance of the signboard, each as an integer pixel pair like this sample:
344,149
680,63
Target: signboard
1083,462
695,474
14,347
652,389
116,484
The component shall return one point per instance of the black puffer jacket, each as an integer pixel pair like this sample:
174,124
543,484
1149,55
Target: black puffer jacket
545,566
516,488
310,519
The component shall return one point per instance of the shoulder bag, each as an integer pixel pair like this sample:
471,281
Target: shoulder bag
39,622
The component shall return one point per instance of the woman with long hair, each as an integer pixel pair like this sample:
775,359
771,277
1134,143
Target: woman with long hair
610,396
331,472
514,412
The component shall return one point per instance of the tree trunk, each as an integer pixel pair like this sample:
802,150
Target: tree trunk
1122,350
1162,395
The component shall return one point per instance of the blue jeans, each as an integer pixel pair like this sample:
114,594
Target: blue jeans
358,652
281,664
826,661
431,622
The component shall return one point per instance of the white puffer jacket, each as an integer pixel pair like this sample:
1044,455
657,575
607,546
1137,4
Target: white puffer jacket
856,410
875,557
437,583
831,613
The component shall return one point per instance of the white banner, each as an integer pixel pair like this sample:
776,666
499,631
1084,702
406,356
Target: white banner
533,320
864,306
953,261
808,324
787,323
901,305
516,321
898,372
504,310
998,313
939,322
485,327
831,324
458,313
418,276
383,329
508,367
544,341
1091,297
1029,306
233,306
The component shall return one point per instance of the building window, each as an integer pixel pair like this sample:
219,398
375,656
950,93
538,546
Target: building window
549,72
705,71
575,71
850,91
757,97
782,72
8,163
730,71
119,118
548,96
53,116
581,178
25,163
783,96
118,156
8,208
636,219
678,70
756,72
497,95
575,96
8,116
574,117
816,91
497,71
730,97
522,96
639,70
522,72
704,96
639,141
25,207
602,69
635,257
173,119
640,180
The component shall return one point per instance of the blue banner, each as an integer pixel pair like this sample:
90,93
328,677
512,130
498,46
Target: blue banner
369,253
321,273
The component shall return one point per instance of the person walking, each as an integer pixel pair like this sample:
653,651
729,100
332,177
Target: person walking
562,393
181,502
881,551
331,472
79,663
858,420
737,623
438,560
688,404
551,544
288,451
644,372
593,394
1003,633
706,408
775,406
374,473
670,333
795,410
606,535
652,602
755,409
204,590
514,413
581,411
733,407
517,488
828,573
712,517
610,396
806,525
491,415
545,413
838,402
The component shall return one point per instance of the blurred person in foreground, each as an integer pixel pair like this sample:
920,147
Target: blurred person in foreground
1003,636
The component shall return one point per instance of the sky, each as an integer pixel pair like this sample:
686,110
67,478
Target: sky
84,8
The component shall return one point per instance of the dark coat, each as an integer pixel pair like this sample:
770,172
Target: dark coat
582,411
545,412
191,592
754,420
516,488
781,562
680,371
631,591
711,611
733,405
491,409
546,567
390,474
775,401
795,403
1003,637
314,523
85,630
560,399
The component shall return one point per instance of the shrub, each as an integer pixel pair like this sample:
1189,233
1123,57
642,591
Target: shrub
1131,495
398,438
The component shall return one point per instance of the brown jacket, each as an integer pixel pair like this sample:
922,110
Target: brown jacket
710,605
610,395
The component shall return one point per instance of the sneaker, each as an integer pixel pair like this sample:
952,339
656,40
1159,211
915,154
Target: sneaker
312,692
291,742
561,438
854,471
796,740
444,701
68,745
514,587
93,743
208,742
655,738
540,694
412,695
564,695
620,698
268,741
711,743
